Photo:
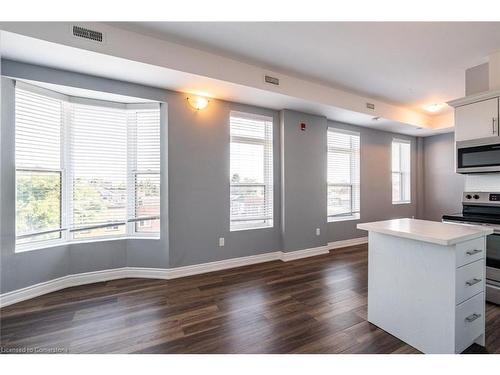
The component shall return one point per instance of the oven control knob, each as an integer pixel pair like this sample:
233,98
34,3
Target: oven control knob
476,196
468,196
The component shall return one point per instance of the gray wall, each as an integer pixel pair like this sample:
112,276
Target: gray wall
375,177
443,187
199,187
303,163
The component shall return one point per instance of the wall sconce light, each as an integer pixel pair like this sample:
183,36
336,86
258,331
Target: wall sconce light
197,102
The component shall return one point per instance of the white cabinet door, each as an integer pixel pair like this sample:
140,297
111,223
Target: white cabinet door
477,120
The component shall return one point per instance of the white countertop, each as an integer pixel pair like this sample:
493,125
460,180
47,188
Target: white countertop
428,231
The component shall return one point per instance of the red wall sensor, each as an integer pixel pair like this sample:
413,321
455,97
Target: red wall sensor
303,126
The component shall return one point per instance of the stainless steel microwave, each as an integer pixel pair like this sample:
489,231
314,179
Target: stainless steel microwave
478,155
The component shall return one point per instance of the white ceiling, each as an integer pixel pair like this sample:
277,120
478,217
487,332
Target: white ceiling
35,51
408,63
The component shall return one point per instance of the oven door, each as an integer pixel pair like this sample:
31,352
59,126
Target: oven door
478,156
493,268
493,255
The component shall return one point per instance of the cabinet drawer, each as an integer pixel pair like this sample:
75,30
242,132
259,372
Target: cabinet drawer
470,251
469,280
469,323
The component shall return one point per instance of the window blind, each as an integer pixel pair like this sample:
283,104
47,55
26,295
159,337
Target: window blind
98,167
85,168
251,171
38,125
343,174
144,134
401,171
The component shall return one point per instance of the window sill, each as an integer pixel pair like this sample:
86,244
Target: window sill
333,219
401,202
26,248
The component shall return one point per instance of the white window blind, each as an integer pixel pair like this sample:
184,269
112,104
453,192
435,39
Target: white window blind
38,167
343,175
98,165
144,159
251,171
401,171
85,168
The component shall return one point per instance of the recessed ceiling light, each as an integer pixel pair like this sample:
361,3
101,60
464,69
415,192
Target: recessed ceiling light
434,107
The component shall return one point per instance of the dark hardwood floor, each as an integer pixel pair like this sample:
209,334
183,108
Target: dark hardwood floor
313,305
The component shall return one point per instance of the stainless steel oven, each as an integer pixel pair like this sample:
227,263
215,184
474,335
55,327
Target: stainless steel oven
481,208
479,155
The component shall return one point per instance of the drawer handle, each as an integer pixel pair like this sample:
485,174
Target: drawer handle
472,252
472,317
475,280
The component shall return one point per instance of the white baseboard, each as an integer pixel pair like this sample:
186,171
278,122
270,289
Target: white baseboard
36,290
346,243
305,253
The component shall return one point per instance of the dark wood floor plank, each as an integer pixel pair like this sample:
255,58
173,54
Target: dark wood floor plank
312,305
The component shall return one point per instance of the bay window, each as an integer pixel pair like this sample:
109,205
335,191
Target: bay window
343,175
85,169
251,171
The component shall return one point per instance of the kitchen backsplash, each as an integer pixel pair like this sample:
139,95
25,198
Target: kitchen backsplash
482,182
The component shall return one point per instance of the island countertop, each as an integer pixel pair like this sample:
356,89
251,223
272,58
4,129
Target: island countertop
428,231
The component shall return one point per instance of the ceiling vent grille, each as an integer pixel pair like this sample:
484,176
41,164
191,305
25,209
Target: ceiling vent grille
82,32
272,80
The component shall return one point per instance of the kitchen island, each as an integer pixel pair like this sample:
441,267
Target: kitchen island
426,282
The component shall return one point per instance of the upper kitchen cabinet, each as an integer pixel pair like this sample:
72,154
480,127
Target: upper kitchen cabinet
475,118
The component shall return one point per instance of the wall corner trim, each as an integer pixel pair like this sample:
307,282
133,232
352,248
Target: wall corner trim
50,286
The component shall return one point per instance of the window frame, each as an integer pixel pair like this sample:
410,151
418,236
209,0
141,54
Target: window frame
67,232
404,177
268,170
352,214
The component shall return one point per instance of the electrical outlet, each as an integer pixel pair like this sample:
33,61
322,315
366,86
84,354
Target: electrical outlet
318,231
221,241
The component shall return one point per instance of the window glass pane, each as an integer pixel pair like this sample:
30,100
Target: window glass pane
340,168
38,202
343,173
147,200
113,230
148,140
339,200
251,172
396,186
395,157
38,131
38,147
405,157
99,166
247,163
247,201
401,168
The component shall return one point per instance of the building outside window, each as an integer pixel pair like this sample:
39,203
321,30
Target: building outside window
343,175
251,171
401,171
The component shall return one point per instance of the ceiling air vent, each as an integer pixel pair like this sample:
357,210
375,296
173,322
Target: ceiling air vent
82,32
272,80
370,105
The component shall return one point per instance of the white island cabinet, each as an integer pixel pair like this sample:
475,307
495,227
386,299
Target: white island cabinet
426,282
